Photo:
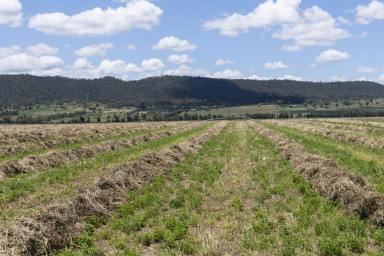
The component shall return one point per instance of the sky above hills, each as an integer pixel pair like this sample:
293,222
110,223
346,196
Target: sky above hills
132,39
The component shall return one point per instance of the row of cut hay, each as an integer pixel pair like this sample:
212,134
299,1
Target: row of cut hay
342,126
58,158
58,223
350,121
47,137
334,134
352,192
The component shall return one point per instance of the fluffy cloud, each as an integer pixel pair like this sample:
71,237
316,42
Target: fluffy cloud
93,50
82,63
363,69
41,50
184,70
180,59
152,64
228,74
332,55
116,68
275,65
223,62
174,44
139,14
10,13
316,28
309,27
8,51
23,62
365,14
131,47
291,77
35,59
266,14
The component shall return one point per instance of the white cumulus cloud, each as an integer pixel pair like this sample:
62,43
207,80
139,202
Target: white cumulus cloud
175,44
36,59
8,51
131,47
332,55
139,14
304,28
180,59
275,65
82,63
152,64
41,50
93,50
365,14
228,74
363,69
223,62
11,13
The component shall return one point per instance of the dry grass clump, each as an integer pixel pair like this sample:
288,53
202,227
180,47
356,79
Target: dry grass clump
56,225
19,138
338,134
57,158
350,191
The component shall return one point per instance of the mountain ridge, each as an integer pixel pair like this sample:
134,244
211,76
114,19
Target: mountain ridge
23,90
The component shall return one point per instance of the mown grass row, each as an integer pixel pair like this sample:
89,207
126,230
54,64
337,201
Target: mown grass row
81,143
376,133
161,212
205,207
362,160
73,176
291,218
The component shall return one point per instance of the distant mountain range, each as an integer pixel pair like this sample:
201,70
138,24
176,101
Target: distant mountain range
23,90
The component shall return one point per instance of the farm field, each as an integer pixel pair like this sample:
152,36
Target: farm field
271,187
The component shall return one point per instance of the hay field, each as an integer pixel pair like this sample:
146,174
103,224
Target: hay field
294,187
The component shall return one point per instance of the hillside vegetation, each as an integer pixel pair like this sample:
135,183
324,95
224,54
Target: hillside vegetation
24,90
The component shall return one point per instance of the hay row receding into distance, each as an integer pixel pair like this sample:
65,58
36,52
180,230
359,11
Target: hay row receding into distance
15,139
352,192
335,134
56,225
57,158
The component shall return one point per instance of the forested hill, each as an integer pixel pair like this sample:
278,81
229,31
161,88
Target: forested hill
18,90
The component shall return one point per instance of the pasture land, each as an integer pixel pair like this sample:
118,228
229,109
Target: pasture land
294,187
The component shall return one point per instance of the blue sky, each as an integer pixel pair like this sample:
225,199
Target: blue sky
309,40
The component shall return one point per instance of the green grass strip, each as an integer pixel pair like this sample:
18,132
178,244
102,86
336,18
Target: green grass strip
79,144
23,184
165,208
362,160
291,218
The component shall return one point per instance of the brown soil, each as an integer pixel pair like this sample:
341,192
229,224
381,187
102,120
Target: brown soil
57,224
57,158
352,192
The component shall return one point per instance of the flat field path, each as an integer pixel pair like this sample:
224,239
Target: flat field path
236,196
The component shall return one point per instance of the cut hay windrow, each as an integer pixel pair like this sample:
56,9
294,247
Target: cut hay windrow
335,134
352,192
54,227
357,122
15,139
58,158
342,126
